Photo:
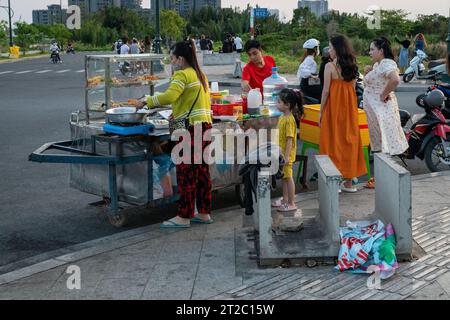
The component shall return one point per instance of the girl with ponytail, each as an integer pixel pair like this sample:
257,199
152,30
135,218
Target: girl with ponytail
290,103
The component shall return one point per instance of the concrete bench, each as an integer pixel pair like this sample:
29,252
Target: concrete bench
220,59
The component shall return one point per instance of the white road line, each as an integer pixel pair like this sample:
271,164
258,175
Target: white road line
5,72
23,72
80,71
44,71
62,71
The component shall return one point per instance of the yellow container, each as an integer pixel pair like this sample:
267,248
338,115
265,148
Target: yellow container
310,130
14,52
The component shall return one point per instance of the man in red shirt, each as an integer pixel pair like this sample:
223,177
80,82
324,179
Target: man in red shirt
258,68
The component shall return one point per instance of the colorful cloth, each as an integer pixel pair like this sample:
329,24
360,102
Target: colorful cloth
365,244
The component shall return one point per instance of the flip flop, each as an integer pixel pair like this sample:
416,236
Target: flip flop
286,208
201,221
370,184
278,203
169,224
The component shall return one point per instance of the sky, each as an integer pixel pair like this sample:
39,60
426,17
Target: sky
23,8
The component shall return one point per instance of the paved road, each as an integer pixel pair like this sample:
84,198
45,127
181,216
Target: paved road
39,211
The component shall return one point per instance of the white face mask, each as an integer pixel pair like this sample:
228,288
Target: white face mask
176,67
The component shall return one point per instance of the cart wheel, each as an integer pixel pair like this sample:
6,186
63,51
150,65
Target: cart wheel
240,192
118,220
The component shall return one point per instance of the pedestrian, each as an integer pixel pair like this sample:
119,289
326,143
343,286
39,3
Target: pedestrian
210,45
147,44
227,44
380,102
124,48
238,44
420,42
307,71
324,60
188,93
403,59
134,48
290,103
258,68
340,137
203,43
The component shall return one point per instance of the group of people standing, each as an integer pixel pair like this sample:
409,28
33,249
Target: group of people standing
133,46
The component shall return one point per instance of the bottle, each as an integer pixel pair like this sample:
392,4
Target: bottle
254,101
272,87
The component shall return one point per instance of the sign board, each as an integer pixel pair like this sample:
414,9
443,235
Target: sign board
261,12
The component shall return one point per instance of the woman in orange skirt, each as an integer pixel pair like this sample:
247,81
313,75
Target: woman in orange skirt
339,133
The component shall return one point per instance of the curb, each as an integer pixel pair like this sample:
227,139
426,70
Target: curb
72,254
23,59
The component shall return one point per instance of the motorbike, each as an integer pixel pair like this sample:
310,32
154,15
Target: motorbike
70,50
429,135
359,87
445,88
54,57
417,68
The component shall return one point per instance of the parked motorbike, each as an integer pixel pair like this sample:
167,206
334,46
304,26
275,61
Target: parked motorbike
429,135
417,68
445,88
359,87
70,50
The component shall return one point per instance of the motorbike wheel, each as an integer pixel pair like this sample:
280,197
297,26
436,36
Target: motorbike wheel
407,77
419,100
434,153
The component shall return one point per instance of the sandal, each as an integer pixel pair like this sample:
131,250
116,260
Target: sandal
287,208
277,203
199,220
370,184
348,190
172,224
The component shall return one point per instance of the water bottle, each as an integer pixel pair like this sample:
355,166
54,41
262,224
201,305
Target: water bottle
272,87
254,101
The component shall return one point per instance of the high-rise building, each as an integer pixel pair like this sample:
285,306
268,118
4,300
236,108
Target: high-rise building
318,7
186,7
52,15
131,4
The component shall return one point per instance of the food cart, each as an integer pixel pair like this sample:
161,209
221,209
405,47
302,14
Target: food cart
127,163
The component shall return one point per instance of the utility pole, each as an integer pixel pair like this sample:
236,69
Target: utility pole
11,43
446,77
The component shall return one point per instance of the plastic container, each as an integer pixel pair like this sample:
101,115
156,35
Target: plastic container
254,101
272,87
223,109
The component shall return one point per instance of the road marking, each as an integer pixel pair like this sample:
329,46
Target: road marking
23,72
62,71
80,71
5,72
44,71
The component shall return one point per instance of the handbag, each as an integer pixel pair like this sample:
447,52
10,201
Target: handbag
312,81
182,123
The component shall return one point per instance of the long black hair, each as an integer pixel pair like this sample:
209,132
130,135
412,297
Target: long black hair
346,59
382,43
186,49
294,99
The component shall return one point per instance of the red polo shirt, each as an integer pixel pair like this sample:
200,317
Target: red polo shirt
255,75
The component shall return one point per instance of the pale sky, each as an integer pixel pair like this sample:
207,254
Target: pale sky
23,8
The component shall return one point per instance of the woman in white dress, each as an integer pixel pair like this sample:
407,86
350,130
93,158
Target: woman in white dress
380,102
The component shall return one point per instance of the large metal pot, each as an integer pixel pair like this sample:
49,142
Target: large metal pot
127,115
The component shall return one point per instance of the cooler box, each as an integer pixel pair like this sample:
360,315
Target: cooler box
309,129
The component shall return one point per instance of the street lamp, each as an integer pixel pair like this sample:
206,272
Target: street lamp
158,31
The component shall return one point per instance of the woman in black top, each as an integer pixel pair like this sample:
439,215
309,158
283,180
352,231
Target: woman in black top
403,60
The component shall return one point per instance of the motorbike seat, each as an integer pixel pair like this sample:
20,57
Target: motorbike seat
435,63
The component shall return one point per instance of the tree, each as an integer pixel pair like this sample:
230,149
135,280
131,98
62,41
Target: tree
26,35
173,26
3,33
60,33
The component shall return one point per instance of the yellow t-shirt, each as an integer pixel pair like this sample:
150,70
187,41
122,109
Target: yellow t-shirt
287,128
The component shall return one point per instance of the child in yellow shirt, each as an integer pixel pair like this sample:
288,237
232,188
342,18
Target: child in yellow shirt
290,103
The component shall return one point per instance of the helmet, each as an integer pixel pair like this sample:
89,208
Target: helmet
326,52
311,44
435,98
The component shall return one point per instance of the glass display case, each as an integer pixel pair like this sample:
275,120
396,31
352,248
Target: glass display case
119,80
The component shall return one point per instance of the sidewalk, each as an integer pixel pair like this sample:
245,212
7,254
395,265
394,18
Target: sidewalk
217,261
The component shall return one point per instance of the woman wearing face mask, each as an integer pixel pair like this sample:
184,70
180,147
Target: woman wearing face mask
189,90
380,103
340,138
257,69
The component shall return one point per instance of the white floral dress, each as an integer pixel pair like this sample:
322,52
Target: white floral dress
386,133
